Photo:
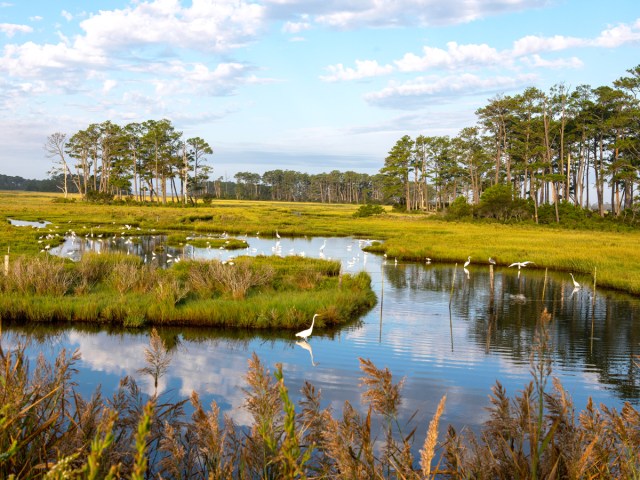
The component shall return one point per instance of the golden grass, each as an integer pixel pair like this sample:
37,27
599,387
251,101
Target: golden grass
615,255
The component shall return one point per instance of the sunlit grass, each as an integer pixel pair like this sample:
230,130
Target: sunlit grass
252,292
615,255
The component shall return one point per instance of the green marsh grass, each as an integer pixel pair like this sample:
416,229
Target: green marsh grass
251,292
405,236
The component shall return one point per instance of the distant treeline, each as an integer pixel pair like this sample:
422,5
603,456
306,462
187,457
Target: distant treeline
30,185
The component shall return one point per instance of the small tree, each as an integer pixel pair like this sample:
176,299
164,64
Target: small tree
55,148
498,202
459,208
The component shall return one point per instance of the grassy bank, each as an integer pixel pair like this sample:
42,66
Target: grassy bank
251,292
615,255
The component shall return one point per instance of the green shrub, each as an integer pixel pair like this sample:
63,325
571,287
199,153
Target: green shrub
460,208
499,202
368,210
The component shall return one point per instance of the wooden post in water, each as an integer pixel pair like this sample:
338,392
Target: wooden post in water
544,285
491,277
453,282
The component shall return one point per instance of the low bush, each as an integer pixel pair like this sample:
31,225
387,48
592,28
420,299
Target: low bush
368,210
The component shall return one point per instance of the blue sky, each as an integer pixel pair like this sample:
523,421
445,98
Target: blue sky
308,85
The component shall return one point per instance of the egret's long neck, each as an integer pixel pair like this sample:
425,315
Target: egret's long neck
313,321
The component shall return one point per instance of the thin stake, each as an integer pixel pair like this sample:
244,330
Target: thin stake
453,282
491,277
544,286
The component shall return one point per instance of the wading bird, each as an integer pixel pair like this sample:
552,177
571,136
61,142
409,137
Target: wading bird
466,264
521,264
307,333
492,261
575,284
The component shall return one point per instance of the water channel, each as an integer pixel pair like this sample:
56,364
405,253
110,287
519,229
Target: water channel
455,341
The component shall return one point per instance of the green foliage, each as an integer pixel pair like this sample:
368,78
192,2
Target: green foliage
368,210
95,196
460,208
499,202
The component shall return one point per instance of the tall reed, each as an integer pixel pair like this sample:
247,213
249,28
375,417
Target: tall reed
47,430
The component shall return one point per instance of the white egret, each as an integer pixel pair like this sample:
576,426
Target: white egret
324,244
521,264
277,234
466,264
307,333
575,284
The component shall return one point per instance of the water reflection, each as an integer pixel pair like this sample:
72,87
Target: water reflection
305,345
447,331
27,223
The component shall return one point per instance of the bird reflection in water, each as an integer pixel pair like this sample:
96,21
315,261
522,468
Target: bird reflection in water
304,344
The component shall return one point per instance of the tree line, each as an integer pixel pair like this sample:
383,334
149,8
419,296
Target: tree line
548,147
150,161
564,145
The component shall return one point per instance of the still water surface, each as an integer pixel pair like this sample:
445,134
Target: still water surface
456,344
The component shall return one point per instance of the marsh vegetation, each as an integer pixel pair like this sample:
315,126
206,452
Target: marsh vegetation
48,430
251,292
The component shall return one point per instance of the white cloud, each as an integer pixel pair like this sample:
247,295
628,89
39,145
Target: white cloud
416,92
537,61
10,29
66,15
363,69
297,27
378,13
457,57
206,25
31,60
454,57
619,35
108,85
534,44
36,18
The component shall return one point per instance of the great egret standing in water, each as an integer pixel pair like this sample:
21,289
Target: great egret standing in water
466,264
306,333
575,284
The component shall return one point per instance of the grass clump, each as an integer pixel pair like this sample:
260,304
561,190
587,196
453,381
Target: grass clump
250,292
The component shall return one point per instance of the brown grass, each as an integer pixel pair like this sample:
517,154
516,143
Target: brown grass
48,429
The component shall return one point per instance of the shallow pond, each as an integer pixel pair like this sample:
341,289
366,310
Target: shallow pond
455,341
